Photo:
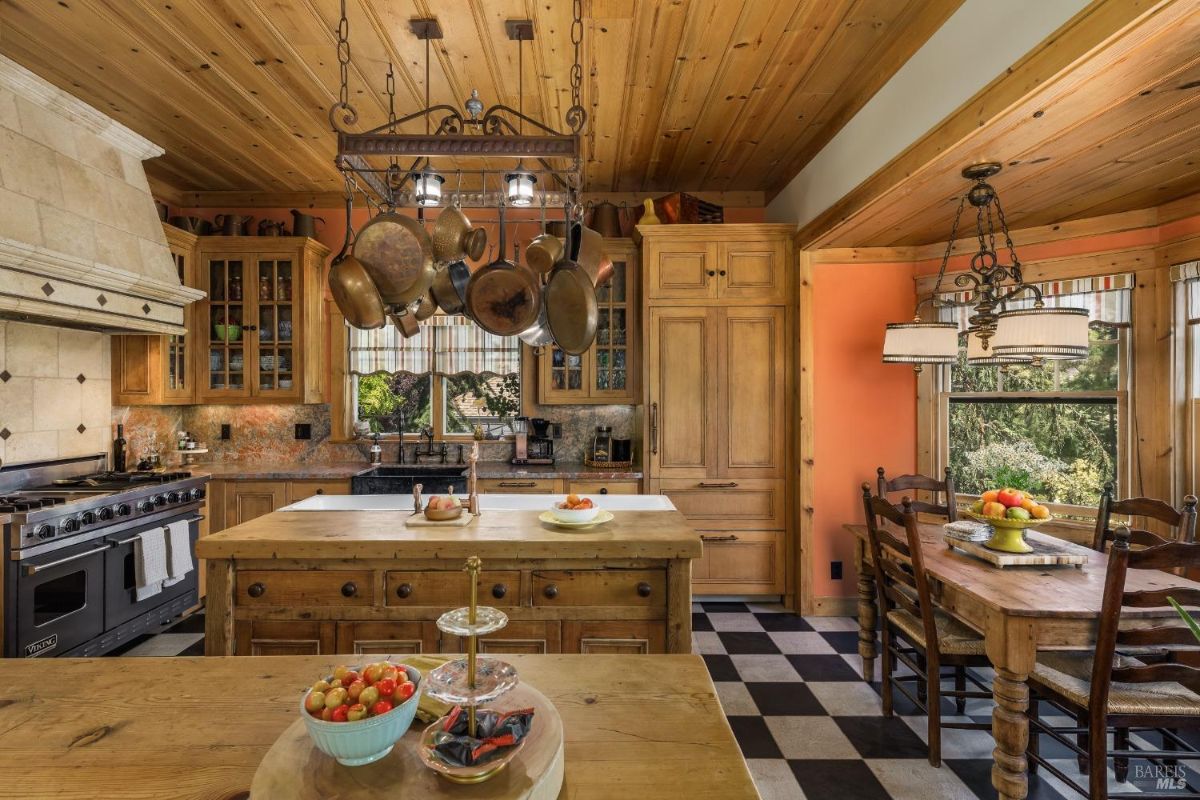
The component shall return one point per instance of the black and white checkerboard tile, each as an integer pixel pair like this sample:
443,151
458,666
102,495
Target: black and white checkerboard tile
807,723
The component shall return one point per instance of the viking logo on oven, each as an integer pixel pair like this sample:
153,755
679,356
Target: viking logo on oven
41,646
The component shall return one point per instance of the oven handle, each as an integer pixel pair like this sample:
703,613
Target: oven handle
131,539
34,569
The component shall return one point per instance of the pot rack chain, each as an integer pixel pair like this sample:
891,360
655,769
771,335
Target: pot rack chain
348,115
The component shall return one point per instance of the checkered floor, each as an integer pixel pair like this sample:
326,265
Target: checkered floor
807,724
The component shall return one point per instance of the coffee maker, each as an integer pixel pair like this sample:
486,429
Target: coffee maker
533,442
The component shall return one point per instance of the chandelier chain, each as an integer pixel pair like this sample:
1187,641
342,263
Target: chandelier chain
937,287
577,43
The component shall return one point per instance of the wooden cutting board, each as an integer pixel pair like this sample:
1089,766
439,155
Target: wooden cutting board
294,769
419,521
1047,551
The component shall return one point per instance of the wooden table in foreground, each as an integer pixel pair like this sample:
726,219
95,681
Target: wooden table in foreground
1019,610
316,582
197,728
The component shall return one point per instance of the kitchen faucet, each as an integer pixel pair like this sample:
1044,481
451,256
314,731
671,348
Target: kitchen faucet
399,416
427,435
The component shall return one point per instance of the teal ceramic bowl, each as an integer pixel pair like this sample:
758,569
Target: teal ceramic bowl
366,741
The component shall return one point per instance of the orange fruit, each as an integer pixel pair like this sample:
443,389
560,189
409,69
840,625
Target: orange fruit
1039,512
1028,503
990,495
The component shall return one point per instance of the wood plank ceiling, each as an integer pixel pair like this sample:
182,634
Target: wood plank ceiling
694,95
1117,129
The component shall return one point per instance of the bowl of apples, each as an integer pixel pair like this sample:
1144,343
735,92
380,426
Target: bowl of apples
575,509
358,715
443,509
1009,512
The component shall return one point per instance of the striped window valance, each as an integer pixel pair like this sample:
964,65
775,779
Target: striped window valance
1189,274
1108,299
445,346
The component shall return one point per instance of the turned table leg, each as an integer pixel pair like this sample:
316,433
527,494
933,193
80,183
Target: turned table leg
1011,646
868,613
218,608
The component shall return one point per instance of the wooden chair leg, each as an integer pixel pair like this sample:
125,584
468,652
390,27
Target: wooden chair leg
934,704
923,680
1097,762
1121,764
960,685
1034,746
1081,739
887,666
1169,744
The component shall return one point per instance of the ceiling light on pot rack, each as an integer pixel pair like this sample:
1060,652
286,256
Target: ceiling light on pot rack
520,185
995,336
427,187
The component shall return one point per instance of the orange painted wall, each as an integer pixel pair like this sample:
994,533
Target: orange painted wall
864,411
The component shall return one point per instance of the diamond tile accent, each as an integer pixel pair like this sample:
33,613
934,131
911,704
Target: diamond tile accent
102,300
4,376
81,377
5,433
81,428
145,308
47,288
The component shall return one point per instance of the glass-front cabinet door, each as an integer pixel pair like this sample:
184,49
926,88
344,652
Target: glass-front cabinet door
227,326
275,361
609,371
177,373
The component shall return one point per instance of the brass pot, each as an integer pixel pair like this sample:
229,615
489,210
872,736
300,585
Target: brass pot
355,294
454,239
591,258
449,287
426,307
543,253
396,251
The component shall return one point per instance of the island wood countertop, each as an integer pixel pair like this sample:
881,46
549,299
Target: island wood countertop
362,535
197,728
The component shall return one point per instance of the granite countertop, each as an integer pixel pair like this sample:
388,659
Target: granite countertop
344,470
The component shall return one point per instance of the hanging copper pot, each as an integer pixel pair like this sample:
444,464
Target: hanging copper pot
503,298
397,252
352,288
454,239
606,219
591,257
405,321
571,310
426,307
449,287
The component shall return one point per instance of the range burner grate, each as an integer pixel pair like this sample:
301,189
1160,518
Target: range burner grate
9,505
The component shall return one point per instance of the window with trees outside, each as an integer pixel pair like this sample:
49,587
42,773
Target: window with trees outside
452,378
1053,429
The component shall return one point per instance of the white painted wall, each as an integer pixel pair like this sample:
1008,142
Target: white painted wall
979,41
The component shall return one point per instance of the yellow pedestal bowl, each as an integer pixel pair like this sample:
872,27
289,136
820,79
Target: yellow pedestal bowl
1007,533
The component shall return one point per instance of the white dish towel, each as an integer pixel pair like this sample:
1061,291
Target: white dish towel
179,552
150,562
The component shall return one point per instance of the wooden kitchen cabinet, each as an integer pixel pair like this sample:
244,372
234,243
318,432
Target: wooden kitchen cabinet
717,381
613,637
245,500
384,638
160,370
299,490
519,636
259,330
610,370
520,485
604,487
285,637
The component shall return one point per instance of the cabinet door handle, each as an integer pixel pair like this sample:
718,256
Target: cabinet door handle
517,484
250,328
729,485
730,538
404,590
551,591
499,590
349,589
721,273
654,428
256,589
643,589
712,272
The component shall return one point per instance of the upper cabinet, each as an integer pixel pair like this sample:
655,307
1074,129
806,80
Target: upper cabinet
257,337
158,370
716,262
609,371
260,326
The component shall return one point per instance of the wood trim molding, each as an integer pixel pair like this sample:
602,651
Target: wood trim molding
802,513
834,607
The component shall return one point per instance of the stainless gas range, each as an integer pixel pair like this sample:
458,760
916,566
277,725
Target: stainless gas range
69,533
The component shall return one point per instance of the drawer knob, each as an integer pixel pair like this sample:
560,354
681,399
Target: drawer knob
722,273
256,589
551,591
603,490
643,589
711,272
499,590
320,491
349,589
404,590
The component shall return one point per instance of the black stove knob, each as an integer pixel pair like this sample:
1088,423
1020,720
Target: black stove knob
70,525
123,510
105,514
146,506
173,497
44,531
160,500
198,494
88,518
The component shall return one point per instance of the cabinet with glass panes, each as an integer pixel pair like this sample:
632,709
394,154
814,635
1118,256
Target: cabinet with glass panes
609,371
260,326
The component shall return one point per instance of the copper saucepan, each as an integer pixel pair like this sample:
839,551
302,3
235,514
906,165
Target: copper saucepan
503,298
397,252
450,286
352,288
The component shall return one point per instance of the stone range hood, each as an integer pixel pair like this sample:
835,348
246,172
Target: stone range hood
81,244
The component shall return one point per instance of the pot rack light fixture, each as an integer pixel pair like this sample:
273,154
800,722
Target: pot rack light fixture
494,132
997,334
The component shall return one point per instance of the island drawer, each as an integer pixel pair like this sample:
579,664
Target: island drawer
600,587
299,588
449,588
520,485
603,487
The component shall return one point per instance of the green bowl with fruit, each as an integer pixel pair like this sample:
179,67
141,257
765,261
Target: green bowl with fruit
358,716
1010,512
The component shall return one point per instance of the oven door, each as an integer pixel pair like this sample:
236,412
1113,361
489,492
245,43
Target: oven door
120,577
60,599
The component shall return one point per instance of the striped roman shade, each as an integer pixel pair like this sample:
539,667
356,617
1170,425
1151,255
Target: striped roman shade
1188,273
1108,299
445,346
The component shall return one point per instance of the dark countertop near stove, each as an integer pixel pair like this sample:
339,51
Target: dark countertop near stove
344,470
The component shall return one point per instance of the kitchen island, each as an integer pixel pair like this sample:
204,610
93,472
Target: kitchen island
346,574
197,728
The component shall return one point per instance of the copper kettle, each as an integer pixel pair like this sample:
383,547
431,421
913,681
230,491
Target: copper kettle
606,219
233,224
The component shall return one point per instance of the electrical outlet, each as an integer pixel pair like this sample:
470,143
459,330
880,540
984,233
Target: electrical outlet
303,430
835,570
226,431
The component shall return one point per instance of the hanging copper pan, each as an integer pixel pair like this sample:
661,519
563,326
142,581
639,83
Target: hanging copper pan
449,287
352,288
396,251
426,307
591,257
502,298
405,322
571,311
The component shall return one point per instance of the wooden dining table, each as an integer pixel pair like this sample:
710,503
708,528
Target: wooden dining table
1018,610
